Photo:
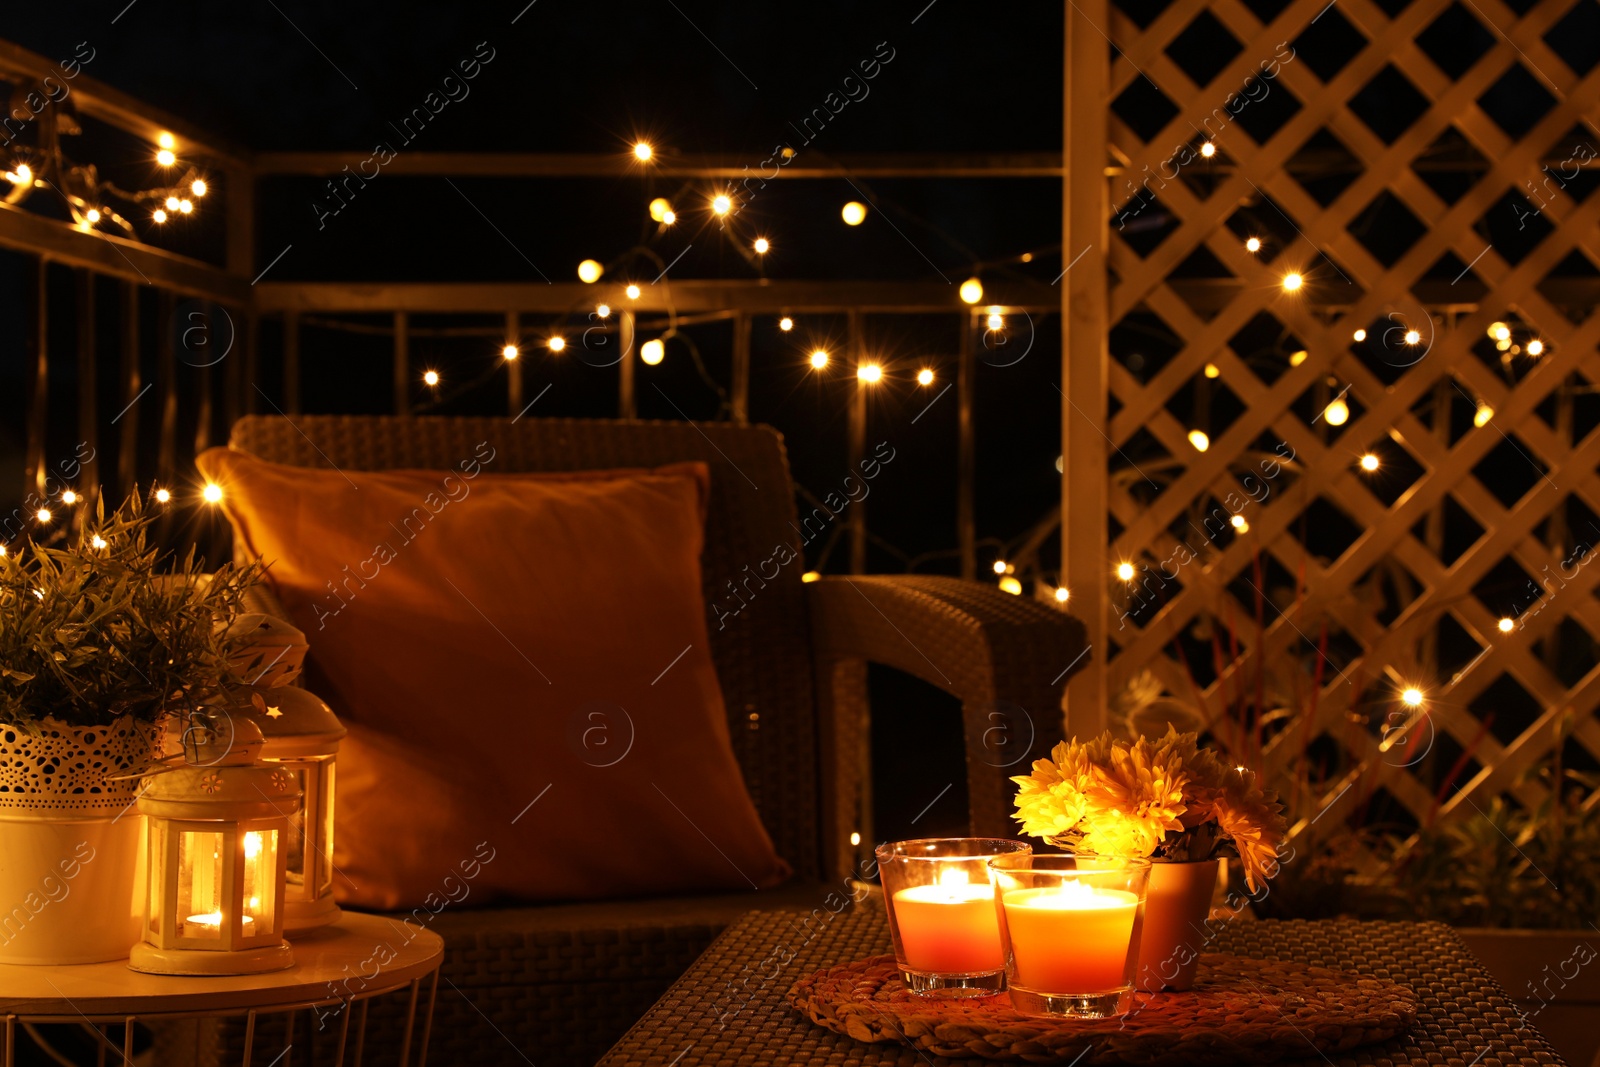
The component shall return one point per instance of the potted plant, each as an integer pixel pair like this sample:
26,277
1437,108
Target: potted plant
1171,800
99,649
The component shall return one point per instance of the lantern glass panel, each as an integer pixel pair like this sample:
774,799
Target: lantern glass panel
325,802
200,884
158,880
260,891
294,844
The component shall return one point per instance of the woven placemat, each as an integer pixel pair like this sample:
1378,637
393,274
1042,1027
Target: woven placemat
1240,1011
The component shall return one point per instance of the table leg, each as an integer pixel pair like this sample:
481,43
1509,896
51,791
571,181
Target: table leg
344,1032
249,1037
127,1041
288,1039
411,1019
427,1023
10,1051
361,1032
101,1041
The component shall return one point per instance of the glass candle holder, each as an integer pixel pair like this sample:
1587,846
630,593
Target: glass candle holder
1070,926
942,913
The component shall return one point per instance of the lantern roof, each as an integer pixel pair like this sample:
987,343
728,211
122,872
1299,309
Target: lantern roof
222,791
295,723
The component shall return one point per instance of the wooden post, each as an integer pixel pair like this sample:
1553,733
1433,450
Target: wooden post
167,374
38,377
402,364
514,367
202,385
251,339
1084,354
89,479
239,192
128,446
291,362
741,368
966,450
627,408
858,448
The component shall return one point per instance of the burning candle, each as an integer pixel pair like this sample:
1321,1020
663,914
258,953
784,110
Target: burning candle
1071,939
951,927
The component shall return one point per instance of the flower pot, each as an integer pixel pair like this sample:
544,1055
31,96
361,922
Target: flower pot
1174,931
72,846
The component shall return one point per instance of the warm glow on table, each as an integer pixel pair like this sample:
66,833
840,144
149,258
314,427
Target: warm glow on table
950,928
1070,939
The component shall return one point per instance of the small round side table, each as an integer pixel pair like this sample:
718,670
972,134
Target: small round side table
340,967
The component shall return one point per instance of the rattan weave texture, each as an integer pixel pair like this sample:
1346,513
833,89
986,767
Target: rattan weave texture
731,1008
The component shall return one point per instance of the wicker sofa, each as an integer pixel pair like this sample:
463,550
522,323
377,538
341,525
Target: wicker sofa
556,985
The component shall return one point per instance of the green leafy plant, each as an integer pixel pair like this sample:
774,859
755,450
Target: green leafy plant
109,625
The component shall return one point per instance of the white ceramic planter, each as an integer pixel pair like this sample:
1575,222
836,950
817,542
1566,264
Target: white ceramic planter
1174,932
72,845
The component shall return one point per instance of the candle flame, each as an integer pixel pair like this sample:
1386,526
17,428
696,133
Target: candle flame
954,876
1071,896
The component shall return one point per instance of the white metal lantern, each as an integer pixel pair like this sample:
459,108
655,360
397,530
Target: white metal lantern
218,828
302,737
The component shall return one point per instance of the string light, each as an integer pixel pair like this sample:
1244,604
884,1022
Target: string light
1535,347
1481,417
924,376
632,291
97,541
172,203
1208,150
185,207
995,322
1499,331
761,246
1253,244
870,373
603,310
660,208
212,493
1000,566
1297,358
1337,412
198,187
430,378
819,359
158,215
1010,585
786,324
720,204
814,576
669,218
642,152
1213,371
589,271
1062,594
23,175
43,515
1413,336
1411,697
511,352
1199,439
1507,625
1292,282
557,343
166,140
1359,335
92,216
653,351
69,497
166,158
1240,524
163,496
1125,571
971,291
1369,462
854,213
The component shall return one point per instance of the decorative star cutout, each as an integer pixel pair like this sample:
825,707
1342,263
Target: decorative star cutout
273,713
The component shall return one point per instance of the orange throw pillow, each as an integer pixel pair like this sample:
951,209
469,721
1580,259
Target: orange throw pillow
523,664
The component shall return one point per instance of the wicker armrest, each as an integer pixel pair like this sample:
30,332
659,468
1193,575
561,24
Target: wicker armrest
1005,657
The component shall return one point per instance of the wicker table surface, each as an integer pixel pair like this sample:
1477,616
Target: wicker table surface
730,1008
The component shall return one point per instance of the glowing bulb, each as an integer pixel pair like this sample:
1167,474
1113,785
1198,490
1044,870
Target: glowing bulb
185,207
1412,697
854,213
1062,594
1297,358
1213,371
1253,244
812,576
924,376
1199,439
511,352
855,838
819,359
1500,331
166,158
431,377
589,271
69,497
869,373
1337,413
22,175
199,187
720,204
1208,150
166,140
669,218
557,343
2,550
1125,571
172,203
163,496
642,152
1240,523
996,322
1292,282
1010,585
1369,462
158,215
1000,566
653,351
660,208
1359,335
761,246
632,291
603,310
1507,625
786,324
252,845
1481,417
97,541
1412,337
1535,347
212,493
92,216
971,291
43,515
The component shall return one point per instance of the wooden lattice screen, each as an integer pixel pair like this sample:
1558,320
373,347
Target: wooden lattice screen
1423,168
